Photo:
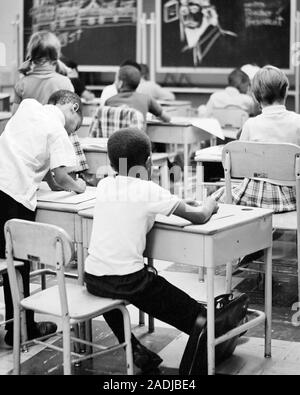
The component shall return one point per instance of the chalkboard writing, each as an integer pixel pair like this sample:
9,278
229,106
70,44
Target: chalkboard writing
92,32
210,35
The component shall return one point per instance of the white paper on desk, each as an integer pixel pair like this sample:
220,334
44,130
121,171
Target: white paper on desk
215,151
65,197
210,125
92,142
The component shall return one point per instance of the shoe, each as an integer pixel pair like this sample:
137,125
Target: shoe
43,328
145,359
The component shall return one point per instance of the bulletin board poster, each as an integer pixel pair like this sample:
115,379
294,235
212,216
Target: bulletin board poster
95,33
215,36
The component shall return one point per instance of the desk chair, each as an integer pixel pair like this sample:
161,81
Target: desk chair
70,302
279,162
232,119
107,120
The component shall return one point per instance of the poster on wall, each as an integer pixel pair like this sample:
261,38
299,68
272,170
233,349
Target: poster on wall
218,35
94,33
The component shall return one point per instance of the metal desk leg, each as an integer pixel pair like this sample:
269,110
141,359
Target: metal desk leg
186,171
80,263
164,177
151,319
200,182
229,270
141,318
210,321
268,302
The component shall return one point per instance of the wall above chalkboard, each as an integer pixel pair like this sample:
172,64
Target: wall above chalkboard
97,34
214,36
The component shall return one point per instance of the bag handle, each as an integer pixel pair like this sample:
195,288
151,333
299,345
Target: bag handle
223,299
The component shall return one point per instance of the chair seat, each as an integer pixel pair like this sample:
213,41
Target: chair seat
81,303
285,221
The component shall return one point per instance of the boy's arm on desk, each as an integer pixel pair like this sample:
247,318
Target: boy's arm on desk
197,214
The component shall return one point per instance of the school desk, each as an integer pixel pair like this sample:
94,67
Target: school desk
4,118
57,208
211,155
84,129
4,102
95,150
186,132
90,107
178,108
232,233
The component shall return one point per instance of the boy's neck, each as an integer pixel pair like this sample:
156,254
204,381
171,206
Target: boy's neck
276,103
126,90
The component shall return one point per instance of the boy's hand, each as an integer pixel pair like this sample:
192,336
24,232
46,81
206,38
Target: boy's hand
192,202
82,185
212,205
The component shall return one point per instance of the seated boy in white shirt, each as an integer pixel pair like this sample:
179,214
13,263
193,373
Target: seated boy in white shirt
236,94
125,211
34,143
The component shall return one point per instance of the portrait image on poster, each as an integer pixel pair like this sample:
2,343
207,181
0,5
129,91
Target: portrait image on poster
223,34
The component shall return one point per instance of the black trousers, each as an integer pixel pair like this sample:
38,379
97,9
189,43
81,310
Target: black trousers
10,209
150,293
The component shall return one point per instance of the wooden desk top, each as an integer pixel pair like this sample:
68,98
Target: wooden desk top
210,154
94,102
4,96
4,115
174,103
94,144
87,121
69,202
228,217
207,125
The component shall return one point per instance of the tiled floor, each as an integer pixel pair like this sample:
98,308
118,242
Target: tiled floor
170,343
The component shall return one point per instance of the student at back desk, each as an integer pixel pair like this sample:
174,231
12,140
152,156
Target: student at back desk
275,125
129,78
125,212
235,94
42,77
151,88
34,142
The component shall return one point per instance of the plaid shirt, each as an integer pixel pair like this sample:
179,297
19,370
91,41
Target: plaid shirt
256,193
108,120
81,159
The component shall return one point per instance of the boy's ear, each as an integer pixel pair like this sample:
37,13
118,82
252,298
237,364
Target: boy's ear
75,107
119,84
149,162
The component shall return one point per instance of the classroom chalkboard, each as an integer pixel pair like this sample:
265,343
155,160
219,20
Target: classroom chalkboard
95,33
213,35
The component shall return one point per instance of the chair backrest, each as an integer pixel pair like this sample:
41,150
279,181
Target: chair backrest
36,242
108,120
231,116
279,162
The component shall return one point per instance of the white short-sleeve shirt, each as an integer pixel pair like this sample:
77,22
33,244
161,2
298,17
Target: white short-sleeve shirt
275,125
33,142
125,212
230,96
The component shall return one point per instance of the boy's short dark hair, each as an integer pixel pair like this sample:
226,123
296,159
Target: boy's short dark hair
130,76
130,144
144,71
130,62
65,97
239,80
270,85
